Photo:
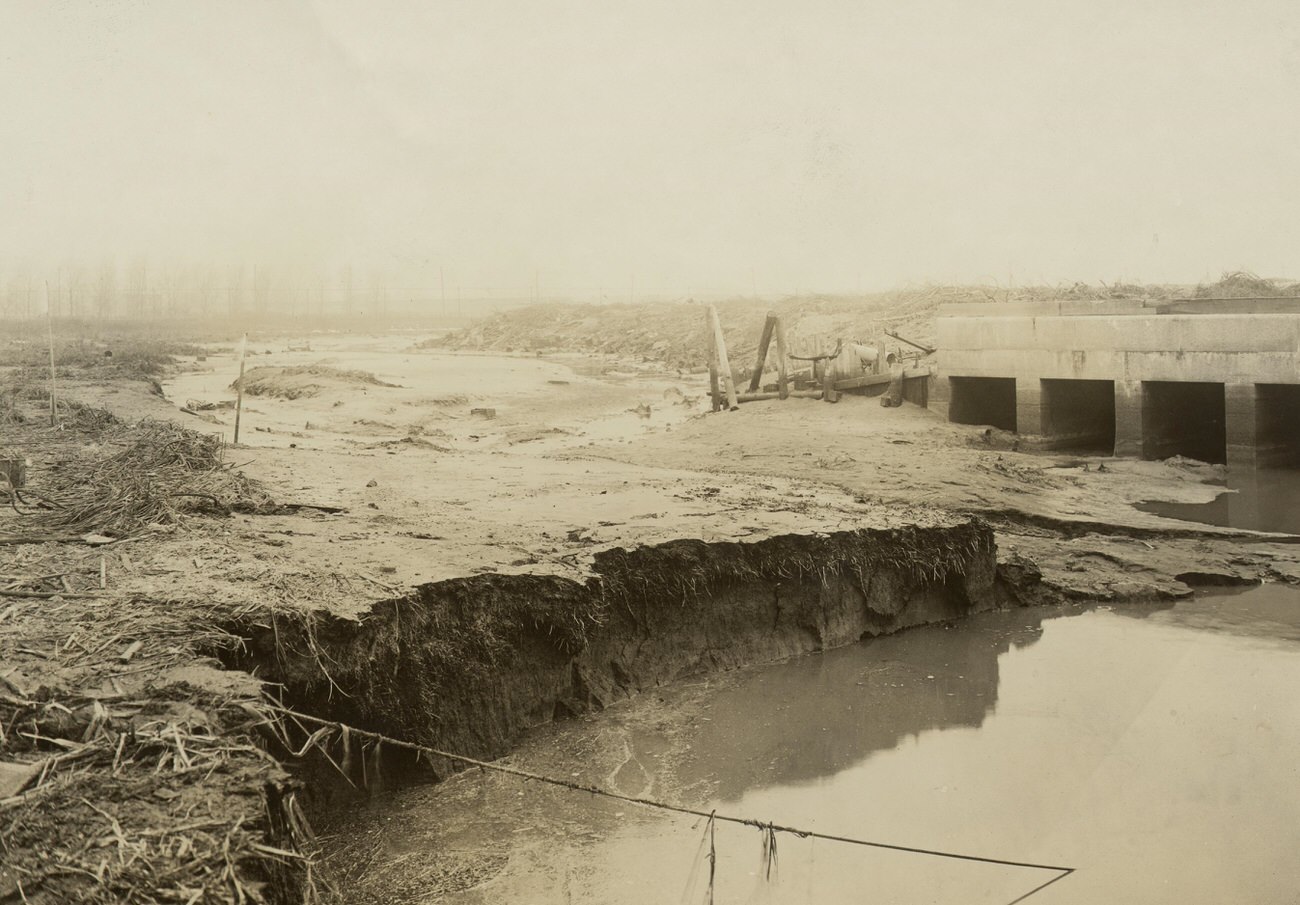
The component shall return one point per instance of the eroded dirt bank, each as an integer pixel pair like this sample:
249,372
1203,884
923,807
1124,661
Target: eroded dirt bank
467,665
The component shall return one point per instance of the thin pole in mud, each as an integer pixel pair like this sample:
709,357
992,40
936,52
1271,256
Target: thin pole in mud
49,324
783,359
239,385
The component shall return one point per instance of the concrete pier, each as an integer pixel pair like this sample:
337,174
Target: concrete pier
1128,418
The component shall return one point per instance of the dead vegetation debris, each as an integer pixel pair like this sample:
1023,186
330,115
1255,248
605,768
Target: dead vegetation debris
130,767
91,471
1244,284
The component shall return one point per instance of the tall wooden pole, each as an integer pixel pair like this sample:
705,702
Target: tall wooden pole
783,379
764,341
239,385
724,364
715,392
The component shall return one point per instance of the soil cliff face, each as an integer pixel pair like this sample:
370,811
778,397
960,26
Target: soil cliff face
467,665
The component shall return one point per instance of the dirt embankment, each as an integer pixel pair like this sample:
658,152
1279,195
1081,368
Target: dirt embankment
467,665
672,333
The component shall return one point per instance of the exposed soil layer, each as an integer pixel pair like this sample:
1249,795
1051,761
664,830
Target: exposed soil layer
467,665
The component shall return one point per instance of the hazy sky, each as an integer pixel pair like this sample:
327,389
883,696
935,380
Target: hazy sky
816,144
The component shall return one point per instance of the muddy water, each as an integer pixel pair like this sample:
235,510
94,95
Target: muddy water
1263,500
1152,748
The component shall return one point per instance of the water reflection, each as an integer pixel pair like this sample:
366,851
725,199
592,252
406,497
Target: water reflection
1268,612
1259,500
844,706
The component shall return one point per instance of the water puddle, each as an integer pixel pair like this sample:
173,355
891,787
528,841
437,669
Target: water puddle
1263,500
1153,748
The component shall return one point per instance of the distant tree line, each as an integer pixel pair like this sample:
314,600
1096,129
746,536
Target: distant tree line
141,290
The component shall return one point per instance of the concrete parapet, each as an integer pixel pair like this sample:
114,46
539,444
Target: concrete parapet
1134,334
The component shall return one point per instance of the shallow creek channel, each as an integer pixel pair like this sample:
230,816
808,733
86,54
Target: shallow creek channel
1152,747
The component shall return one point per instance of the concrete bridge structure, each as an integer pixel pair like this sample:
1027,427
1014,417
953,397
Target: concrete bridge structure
1213,379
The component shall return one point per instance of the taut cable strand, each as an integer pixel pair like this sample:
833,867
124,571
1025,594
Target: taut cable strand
712,816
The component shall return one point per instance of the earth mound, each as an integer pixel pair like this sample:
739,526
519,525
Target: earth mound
303,380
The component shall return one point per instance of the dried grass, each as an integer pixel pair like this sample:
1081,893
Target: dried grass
143,787
136,477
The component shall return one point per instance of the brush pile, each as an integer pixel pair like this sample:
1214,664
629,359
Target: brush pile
130,479
1243,284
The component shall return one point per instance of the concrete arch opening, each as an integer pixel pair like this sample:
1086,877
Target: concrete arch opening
983,400
1184,419
1079,415
1277,425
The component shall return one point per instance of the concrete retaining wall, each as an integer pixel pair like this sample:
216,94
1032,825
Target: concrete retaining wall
1128,344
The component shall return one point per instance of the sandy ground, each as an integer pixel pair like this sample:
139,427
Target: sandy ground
568,466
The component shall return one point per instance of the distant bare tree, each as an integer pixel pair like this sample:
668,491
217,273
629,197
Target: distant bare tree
207,290
106,290
261,289
234,289
137,287
74,274
378,295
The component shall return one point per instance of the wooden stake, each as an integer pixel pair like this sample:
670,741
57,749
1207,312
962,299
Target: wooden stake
239,386
829,393
724,365
783,378
49,323
715,393
763,342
